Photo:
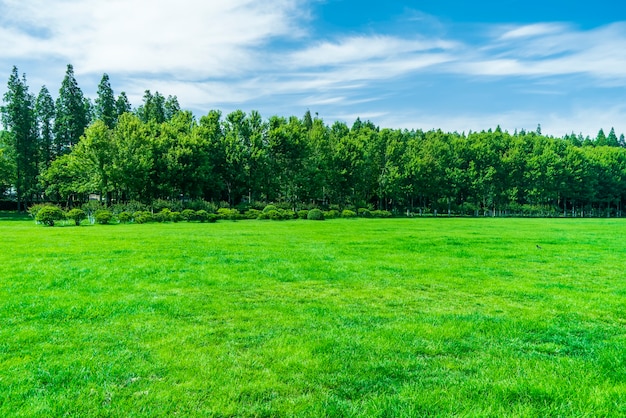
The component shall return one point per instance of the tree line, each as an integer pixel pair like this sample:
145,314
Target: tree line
67,149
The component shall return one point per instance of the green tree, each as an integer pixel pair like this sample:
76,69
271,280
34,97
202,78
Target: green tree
71,114
44,110
105,107
18,117
122,105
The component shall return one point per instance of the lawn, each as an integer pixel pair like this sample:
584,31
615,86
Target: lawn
347,317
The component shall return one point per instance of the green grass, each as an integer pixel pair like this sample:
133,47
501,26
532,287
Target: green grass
387,318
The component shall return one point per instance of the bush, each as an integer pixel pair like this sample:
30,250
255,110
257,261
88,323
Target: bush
76,215
315,215
202,215
289,214
252,214
188,215
176,217
103,216
34,209
274,215
48,214
269,208
331,214
263,216
142,217
364,213
303,214
230,214
381,214
348,214
124,217
212,217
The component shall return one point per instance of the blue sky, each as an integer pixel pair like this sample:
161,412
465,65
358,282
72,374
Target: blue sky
454,65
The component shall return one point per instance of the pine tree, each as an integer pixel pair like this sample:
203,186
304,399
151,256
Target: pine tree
71,114
105,109
122,105
44,110
611,140
601,138
171,107
18,117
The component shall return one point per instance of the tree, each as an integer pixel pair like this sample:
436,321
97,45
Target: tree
611,140
18,117
7,163
105,109
44,110
171,107
71,114
122,105
601,138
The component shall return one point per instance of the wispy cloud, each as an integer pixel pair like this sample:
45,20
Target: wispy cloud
244,53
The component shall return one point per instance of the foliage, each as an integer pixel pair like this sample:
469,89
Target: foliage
124,217
103,217
332,214
142,217
315,215
230,214
364,213
348,213
303,214
176,216
76,215
33,210
48,214
163,157
381,214
188,215
202,215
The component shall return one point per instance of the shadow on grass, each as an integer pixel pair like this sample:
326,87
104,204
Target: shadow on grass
14,216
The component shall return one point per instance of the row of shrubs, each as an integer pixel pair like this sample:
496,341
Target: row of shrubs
49,214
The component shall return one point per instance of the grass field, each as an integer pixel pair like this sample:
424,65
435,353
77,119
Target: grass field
376,318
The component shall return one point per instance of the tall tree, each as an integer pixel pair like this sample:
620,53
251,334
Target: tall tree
18,117
44,110
171,107
122,105
105,109
71,114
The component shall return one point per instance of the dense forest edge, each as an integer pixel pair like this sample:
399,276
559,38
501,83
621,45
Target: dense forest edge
109,155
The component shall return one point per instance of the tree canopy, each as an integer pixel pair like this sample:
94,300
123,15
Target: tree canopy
56,152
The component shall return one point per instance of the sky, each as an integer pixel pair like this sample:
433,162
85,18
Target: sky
428,64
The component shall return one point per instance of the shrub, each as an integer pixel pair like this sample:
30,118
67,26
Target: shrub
364,213
302,214
274,215
348,214
103,216
225,213
176,217
76,215
269,208
142,217
48,214
252,214
381,214
34,209
173,205
331,214
202,215
188,215
263,216
211,217
289,214
315,215
124,217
